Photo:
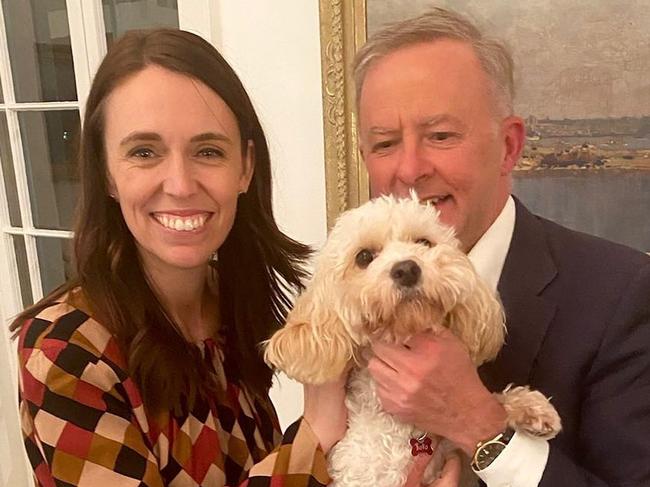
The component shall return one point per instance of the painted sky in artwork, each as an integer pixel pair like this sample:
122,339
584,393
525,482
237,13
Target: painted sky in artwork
575,58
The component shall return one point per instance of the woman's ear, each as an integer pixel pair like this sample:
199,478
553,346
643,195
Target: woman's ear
248,163
111,188
314,346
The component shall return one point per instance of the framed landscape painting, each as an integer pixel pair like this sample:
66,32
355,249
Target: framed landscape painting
583,87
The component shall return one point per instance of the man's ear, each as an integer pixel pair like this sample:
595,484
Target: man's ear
248,162
360,145
514,138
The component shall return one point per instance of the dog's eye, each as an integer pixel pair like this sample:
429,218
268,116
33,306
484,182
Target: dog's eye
364,258
424,241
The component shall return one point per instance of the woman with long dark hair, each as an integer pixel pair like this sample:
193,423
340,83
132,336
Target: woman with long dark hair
145,368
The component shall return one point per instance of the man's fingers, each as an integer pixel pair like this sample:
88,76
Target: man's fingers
388,353
453,464
420,464
436,332
379,367
414,478
450,475
397,355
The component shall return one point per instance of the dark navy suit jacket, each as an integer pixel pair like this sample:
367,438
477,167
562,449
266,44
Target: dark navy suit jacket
578,318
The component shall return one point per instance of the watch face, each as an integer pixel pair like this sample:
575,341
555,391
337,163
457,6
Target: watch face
488,453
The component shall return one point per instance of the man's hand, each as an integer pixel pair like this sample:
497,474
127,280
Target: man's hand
432,383
449,477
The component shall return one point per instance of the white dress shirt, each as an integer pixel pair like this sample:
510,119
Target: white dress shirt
522,462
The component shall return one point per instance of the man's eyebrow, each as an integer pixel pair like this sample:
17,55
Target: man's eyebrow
442,118
426,122
376,130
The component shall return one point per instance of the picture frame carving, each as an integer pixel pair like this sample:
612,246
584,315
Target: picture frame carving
342,31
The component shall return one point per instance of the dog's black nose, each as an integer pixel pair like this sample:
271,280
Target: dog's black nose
406,273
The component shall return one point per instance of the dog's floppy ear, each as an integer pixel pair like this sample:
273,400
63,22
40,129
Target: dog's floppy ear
313,347
479,322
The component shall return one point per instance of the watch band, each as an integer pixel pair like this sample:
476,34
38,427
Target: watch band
487,451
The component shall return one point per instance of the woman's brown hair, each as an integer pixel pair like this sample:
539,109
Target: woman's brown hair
258,265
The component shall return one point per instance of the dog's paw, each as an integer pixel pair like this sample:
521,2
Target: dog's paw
531,412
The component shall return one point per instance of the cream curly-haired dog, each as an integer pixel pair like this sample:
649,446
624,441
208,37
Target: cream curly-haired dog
390,270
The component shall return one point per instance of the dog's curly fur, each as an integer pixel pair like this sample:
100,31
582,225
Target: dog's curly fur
347,302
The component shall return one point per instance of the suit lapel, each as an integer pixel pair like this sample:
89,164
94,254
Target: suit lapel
528,269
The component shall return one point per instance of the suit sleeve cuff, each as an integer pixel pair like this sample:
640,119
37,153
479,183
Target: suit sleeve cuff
520,464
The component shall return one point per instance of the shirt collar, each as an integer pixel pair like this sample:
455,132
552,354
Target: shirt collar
489,254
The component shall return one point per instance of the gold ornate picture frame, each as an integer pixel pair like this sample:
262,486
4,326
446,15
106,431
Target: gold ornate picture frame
343,31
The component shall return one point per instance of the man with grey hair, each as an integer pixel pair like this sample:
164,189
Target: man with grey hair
435,106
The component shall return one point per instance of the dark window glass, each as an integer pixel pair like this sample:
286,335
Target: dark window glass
121,16
50,143
55,262
8,172
23,270
38,38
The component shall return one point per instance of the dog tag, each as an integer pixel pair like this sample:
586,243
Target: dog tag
421,445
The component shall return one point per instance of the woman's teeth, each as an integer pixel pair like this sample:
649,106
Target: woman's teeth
180,224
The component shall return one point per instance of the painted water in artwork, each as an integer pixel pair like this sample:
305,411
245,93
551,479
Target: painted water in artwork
584,90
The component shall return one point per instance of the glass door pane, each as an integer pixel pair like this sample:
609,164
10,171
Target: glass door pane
50,141
121,16
55,262
8,173
38,38
23,270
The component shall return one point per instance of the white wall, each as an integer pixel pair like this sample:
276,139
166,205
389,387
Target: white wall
274,46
